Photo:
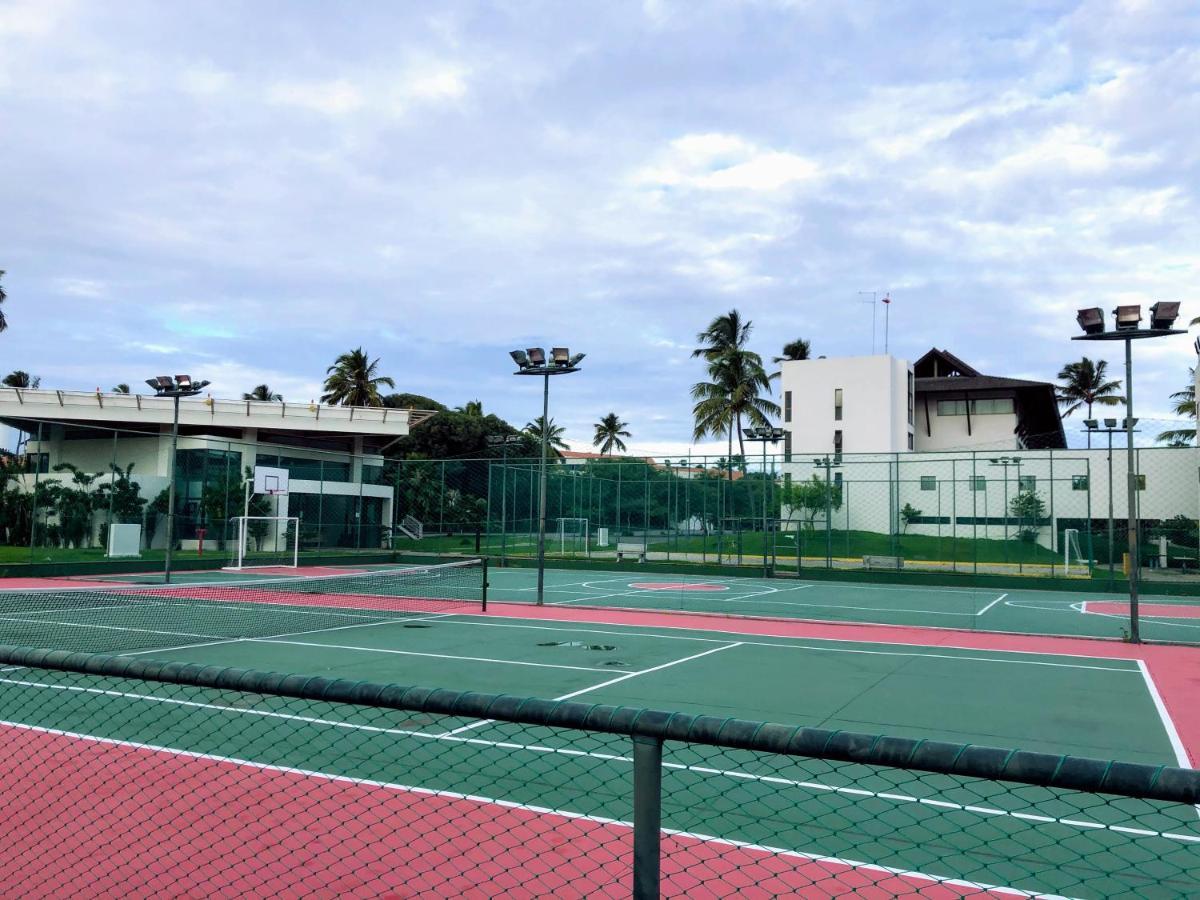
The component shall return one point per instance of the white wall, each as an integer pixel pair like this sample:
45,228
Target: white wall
874,403
996,431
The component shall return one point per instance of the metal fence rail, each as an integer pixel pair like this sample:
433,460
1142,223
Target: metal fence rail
123,775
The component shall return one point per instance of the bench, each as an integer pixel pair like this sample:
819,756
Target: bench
636,550
883,562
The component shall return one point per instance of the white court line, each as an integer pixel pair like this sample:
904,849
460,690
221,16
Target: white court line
604,684
539,810
923,612
1181,754
775,780
990,605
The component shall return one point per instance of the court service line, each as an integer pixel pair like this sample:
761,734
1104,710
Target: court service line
604,684
1181,754
525,807
737,774
990,605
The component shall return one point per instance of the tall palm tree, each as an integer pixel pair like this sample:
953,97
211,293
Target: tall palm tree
609,431
732,395
554,434
264,393
473,408
352,380
727,332
1083,384
1184,404
3,297
121,388
21,379
797,349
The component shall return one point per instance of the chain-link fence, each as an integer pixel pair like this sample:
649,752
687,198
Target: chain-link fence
125,777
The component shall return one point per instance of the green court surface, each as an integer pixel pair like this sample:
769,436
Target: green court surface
1086,613
945,827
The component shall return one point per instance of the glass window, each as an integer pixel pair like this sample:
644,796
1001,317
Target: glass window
987,406
837,479
787,447
1141,482
1079,482
1027,483
36,462
910,402
837,404
910,440
929,482
787,406
837,441
978,483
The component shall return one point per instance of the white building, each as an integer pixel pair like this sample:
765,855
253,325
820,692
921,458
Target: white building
333,454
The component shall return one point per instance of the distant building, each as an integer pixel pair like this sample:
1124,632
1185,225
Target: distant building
881,404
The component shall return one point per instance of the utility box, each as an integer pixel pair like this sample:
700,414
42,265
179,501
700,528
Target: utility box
601,537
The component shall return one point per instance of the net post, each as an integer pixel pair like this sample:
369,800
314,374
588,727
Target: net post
483,560
647,816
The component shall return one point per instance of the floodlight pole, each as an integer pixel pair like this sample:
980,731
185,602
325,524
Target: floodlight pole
763,435
179,386
1129,332
1091,425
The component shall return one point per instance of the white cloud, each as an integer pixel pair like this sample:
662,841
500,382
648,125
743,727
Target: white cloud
725,162
81,287
331,98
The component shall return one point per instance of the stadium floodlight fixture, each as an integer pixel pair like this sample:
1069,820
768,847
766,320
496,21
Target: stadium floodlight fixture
576,359
1111,423
1163,315
537,356
184,382
1128,317
1092,424
520,357
1091,320
561,356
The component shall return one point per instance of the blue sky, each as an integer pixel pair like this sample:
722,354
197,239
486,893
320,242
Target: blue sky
244,190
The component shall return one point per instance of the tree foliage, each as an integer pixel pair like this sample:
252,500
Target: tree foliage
1085,383
1029,509
354,380
263,393
609,431
812,498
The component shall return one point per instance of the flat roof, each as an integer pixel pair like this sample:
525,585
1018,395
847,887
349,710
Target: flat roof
116,410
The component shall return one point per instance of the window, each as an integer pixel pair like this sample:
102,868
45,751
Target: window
837,404
1141,482
988,406
36,462
837,479
929,482
1027,483
787,406
837,442
1079,482
910,404
910,440
787,447
978,483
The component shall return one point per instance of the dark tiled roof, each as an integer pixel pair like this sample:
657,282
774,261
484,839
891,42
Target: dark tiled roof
949,359
974,383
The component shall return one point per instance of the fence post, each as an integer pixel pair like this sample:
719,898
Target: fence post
647,816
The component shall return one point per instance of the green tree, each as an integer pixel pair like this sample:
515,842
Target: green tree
264,393
121,388
812,498
609,431
554,433
724,333
121,494
1183,403
74,504
412,401
1085,383
797,349
353,380
1029,509
18,378
471,408
731,396
908,515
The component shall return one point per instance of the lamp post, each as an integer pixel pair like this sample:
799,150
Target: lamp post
504,441
765,435
829,463
1127,327
1110,428
533,362
179,386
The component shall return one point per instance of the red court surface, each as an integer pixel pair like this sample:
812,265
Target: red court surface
27,584
205,826
1175,670
1158,610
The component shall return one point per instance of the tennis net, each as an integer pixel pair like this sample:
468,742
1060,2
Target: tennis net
146,618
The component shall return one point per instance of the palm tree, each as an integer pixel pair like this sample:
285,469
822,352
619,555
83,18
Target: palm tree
554,434
727,332
1184,405
20,379
264,393
1083,384
473,408
352,380
3,297
732,395
121,388
609,431
797,349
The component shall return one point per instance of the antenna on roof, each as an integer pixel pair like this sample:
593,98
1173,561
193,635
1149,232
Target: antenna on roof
887,309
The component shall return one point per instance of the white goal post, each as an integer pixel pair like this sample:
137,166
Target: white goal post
257,542
573,530
1072,552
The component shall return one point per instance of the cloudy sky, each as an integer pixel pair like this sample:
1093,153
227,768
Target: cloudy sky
244,190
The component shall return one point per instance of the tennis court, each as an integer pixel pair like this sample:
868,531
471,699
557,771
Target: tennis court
1086,699
1079,613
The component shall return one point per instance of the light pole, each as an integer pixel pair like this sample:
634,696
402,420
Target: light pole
533,362
829,463
1110,428
1127,328
764,435
504,441
179,386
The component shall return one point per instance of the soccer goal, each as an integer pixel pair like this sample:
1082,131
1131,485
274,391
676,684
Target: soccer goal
573,536
1073,559
257,542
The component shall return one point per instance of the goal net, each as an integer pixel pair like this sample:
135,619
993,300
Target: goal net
573,537
264,541
1074,562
